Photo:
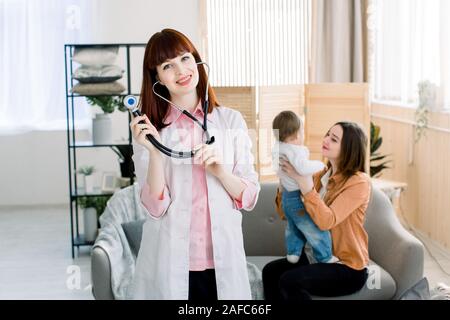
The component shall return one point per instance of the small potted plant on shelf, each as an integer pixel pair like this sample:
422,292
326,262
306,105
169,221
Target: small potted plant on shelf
87,172
92,207
102,123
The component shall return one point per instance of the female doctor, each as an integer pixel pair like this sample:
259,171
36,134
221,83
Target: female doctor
192,245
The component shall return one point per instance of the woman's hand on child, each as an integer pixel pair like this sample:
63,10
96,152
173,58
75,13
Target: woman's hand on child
305,183
210,157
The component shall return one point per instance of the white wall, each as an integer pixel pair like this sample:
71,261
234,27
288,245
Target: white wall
137,20
33,166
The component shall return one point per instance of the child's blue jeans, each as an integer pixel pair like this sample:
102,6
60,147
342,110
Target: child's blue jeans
301,229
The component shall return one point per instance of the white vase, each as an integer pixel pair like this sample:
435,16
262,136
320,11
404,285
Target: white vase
90,224
89,184
102,129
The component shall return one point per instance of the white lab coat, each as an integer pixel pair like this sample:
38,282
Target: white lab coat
162,266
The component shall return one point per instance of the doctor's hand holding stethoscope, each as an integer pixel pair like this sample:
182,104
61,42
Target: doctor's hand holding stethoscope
141,130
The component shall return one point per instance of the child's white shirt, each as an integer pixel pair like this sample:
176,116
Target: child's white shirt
298,156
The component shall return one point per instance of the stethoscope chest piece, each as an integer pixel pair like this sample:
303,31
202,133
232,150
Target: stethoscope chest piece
130,102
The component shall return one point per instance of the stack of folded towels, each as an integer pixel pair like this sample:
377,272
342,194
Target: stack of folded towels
97,74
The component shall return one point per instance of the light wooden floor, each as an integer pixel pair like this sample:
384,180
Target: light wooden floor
35,257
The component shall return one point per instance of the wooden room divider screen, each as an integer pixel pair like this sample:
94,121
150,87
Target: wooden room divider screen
320,106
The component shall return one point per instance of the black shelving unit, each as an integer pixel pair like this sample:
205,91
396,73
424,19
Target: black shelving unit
77,239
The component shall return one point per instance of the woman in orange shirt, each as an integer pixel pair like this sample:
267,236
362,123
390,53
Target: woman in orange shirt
336,199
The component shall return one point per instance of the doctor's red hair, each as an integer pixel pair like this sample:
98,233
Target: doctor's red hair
163,46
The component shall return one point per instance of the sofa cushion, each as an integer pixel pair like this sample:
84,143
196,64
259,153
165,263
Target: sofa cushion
379,286
94,89
262,228
95,55
96,74
133,232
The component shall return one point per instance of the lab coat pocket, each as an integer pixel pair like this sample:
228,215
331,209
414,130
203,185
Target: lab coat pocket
150,238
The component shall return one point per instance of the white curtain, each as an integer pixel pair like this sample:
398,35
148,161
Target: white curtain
258,42
412,39
32,83
339,40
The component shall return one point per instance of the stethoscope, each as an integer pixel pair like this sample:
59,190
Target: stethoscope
130,102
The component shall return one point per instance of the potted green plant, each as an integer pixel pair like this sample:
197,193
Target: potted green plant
107,103
92,207
375,143
102,123
87,172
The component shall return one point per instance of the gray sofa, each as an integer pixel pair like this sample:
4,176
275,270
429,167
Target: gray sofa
397,258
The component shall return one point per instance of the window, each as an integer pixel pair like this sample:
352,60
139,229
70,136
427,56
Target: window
32,85
411,44
258,43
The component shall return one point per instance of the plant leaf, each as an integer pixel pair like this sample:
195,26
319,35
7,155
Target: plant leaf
376,169
107,103
376,133
376,158
377,143
372,130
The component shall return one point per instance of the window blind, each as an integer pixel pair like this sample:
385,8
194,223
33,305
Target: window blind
258,42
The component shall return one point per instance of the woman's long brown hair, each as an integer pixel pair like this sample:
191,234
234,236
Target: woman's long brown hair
161,47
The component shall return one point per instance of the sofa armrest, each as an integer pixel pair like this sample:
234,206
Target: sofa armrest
408,269
101,275
391,245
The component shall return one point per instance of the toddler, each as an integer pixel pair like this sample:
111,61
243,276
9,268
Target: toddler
300,227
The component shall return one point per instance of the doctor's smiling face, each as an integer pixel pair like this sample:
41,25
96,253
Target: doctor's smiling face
179,75
171,58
